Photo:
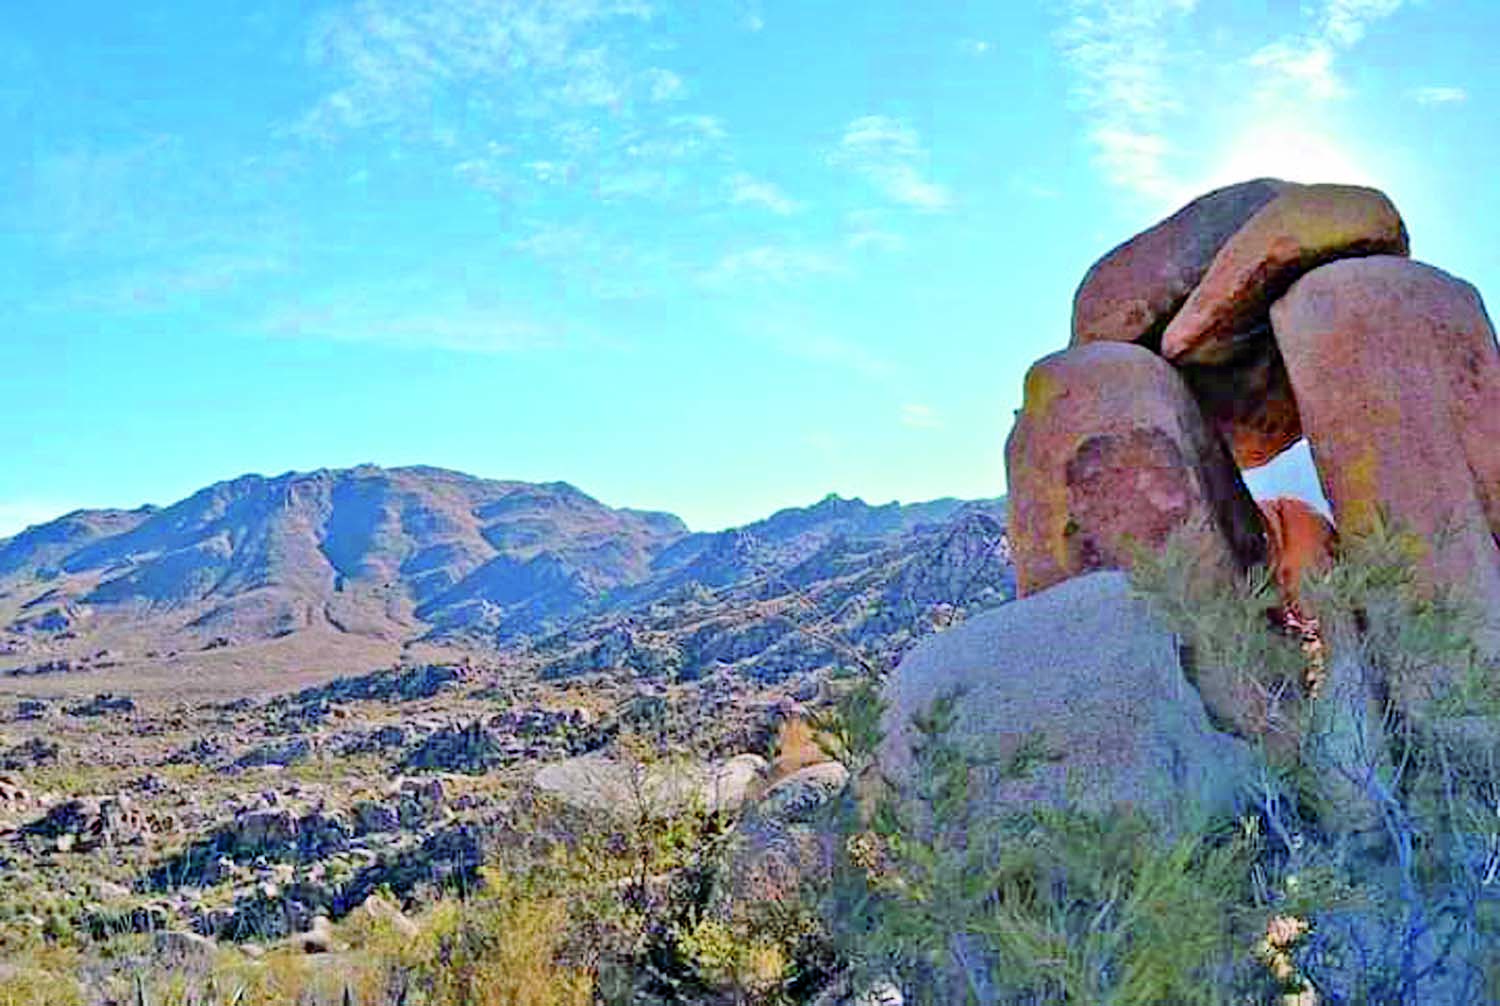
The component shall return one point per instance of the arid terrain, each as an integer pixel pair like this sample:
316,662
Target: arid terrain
227,718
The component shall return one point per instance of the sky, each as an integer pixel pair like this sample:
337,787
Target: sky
713,258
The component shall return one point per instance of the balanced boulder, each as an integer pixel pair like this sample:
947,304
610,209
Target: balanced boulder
1302,228
1131,293
1110,453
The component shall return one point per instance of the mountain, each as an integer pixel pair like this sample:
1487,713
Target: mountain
409,557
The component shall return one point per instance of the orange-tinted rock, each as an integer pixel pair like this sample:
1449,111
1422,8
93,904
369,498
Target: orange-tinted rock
1469,360
1111,451
1298,540
1250,403
1130,294
1369,347
1302,228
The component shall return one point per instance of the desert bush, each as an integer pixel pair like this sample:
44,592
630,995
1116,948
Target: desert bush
1045,906
1384,834
1297,898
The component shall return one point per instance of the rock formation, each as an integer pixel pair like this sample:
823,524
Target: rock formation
1260,314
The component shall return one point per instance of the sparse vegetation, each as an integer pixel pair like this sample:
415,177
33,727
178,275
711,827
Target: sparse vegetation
1290,902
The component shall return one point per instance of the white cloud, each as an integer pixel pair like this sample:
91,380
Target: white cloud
747,190
643,183
551,171
663,85
975,46
769,264
1343,22
919,416
1306,62
606,267
870,229
889,154
1151,80
1119,53
388,60
1439,95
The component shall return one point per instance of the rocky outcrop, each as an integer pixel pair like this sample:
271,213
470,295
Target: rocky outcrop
1284,312
1111,453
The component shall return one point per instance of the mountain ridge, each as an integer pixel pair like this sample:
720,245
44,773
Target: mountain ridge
395,556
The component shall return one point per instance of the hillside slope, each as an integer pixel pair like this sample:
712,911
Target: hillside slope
392,559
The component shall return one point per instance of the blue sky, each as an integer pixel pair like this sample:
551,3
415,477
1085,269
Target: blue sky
716,258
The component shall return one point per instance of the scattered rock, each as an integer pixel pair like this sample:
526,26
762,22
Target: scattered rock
103,704
472,748
86,823
184,951
34,709
318,939
778,845
288,752
596,782
379,912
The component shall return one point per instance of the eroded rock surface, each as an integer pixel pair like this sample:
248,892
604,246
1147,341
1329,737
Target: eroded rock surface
1110,451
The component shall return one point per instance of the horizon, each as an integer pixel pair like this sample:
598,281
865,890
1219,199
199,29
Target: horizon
156,507
562,242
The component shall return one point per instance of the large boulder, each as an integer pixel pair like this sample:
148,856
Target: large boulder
1131,293
1450,314
1111,452
1302,228
1086,666
1372,352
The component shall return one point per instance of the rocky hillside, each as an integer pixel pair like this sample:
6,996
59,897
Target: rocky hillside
848,592
425,556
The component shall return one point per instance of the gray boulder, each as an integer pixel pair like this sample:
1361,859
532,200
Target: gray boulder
1086,671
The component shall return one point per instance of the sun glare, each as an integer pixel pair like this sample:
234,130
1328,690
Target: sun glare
1297,152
